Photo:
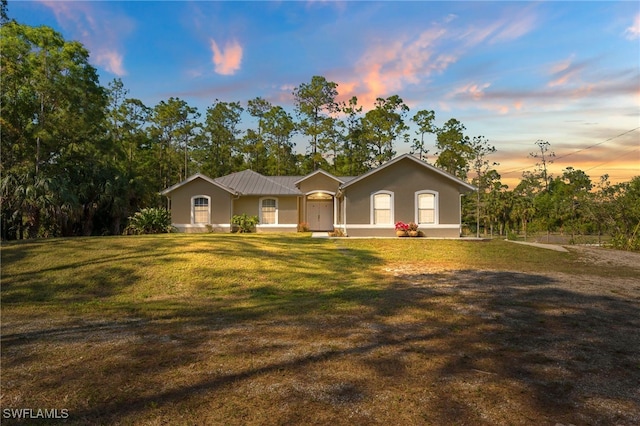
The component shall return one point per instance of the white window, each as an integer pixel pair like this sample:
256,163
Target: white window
382,208
268,211
200,209
426,207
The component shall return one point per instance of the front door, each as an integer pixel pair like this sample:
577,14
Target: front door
320,215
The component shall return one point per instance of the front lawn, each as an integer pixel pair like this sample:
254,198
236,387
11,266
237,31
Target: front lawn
285,329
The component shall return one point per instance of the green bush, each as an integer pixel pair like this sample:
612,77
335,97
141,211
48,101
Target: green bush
623,242
150,221
244,223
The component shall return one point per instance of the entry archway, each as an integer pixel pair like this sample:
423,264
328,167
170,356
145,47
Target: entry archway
320,208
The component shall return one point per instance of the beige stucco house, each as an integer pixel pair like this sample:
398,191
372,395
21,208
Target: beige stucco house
404,189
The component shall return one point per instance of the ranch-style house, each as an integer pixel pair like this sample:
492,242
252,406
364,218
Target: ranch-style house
404,189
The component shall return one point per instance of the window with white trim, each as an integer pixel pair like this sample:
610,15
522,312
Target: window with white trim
382,208
426,208
268,211
200,210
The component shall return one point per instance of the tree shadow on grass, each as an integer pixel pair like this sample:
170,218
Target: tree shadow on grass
450,347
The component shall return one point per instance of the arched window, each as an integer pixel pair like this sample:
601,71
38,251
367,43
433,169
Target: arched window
200,209
268,211
382,208
426,207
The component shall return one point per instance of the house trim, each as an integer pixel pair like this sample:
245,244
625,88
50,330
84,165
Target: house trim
201,227
367,226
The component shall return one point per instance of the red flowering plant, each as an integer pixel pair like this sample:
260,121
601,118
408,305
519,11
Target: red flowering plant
401,226
402,229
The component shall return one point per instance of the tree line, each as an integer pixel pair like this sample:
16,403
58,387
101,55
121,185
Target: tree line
79,158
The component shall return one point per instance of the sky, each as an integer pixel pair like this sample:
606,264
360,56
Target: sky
514,72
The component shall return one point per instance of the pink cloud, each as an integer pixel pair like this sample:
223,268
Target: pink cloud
633,32
386,68
510,26
97,29
476,95
561,66
514,28
111,60
475,91
389,66
226,61
566,72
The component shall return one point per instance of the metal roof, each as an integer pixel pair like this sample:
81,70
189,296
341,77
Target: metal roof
248,182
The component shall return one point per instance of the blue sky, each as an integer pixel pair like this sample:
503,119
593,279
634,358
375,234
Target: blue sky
514,72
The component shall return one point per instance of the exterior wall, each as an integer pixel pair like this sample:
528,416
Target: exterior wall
404,179
248,205
441,232
319,182
287,212
220,206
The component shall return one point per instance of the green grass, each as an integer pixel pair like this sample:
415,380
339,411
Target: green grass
285,329
159,274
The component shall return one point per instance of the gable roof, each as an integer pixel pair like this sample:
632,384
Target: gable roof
194,177
414,159
248,182
322,172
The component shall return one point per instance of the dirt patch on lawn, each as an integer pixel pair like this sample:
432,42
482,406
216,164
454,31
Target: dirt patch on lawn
604,256
547,348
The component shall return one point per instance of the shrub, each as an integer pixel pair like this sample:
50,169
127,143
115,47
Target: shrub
624,242
337,232
150,221
303,227
244,223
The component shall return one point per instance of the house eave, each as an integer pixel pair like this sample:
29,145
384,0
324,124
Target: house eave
319,171
190,179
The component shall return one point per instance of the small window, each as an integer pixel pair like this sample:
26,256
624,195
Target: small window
200,210
382,209
268,211
426,208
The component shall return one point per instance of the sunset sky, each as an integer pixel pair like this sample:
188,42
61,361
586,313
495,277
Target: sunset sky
514,72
